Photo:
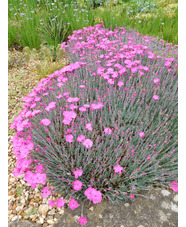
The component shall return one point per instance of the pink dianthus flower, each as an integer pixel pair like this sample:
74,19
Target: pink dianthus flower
87,143
156,80
77,185
45,122
60,203
78,173
132,196
80,138
39,168
69,138
70,99
107,131
118,169
73,204
82,109
155,97
51,203
174,186
88,126
141,134
82,220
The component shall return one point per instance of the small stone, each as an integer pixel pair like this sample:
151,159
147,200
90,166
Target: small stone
91,208
51,212
152,197
163,217
22,181
12,180
126,204
50,222
175,198
174,207
140,226
165,205
29,210
111,216
57,216
100,216
76,217
14,207
43,209
55,219
11,216
165,192
41,220
36,190
32,216
45,200
14,218
23,201
34,219
19,208
61,211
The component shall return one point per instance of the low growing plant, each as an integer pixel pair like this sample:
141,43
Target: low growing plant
105,126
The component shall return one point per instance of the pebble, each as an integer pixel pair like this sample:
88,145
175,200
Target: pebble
126,204
43,209
165,205
14,218
41,220
50,222
57,216
18,208
12,180
61,211
52,212
22,181
23,201
91,208
175,198
174,207
165,192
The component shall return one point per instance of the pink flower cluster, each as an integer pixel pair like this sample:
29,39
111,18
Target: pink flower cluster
174,186
73,204
78,173
46,192
77,185
82,220
35,178
118,169
94,195
90,135
60,203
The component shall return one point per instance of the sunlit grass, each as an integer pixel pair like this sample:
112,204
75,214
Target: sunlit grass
32,23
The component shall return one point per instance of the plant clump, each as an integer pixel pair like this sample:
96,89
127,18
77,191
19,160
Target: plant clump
105,126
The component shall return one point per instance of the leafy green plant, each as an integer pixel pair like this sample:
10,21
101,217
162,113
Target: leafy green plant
32,212
19,191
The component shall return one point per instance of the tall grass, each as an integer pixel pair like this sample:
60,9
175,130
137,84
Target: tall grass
50,22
